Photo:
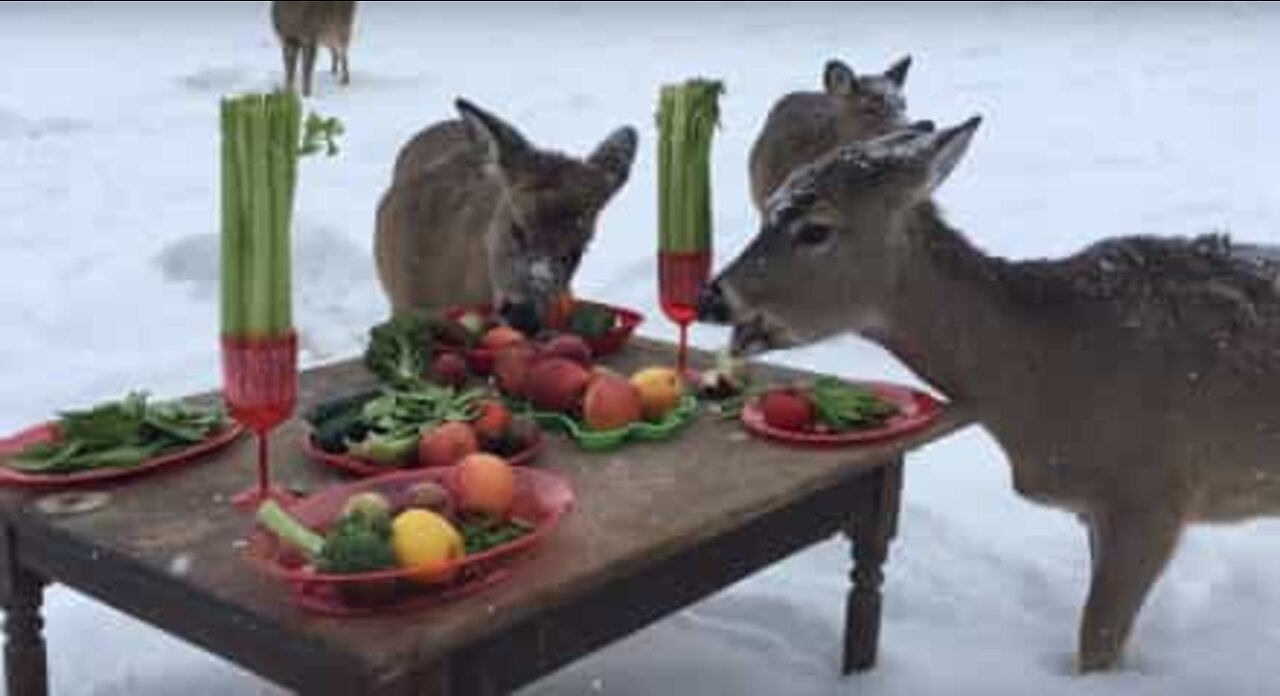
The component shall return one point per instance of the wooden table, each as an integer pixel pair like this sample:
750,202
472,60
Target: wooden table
657,527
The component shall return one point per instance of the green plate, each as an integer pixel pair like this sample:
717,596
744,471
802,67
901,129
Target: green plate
600,441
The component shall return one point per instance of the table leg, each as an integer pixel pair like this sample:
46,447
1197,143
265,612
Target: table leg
874,525
22,594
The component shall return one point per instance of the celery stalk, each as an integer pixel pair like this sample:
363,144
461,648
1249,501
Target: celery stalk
688,114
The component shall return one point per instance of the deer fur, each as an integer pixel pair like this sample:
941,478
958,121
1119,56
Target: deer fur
1135,384
304,26
803,126
476,214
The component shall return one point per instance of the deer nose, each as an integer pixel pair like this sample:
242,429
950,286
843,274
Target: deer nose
713,307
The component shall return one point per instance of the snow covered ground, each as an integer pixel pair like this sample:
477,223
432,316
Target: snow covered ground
1102,119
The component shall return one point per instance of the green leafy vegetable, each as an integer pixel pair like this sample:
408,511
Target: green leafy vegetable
843,406
481,534
590,321
399,350
119,435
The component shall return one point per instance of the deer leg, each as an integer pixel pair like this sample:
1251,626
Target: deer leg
334,60
345,78
308,67
1130,550
290,49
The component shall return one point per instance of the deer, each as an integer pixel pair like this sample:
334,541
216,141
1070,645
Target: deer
476,214
803,126
1134,384
302,26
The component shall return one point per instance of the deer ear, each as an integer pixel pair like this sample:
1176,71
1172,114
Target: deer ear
839,79
897,73
615,155
945,148
502,143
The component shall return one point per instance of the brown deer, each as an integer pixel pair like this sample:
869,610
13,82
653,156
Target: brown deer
1135,384
476,214
304,26
803,126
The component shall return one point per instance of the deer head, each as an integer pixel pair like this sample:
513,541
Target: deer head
550,206
833,247
867,102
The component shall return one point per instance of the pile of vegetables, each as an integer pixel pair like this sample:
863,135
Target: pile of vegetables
829,406
384,426
119,435
432,528
688,114
262,139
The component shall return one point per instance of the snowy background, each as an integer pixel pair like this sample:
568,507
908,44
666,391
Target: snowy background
1114,118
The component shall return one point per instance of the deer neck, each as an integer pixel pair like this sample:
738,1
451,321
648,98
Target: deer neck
947,319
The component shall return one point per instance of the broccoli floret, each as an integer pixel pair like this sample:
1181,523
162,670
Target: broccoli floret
399,350
357,544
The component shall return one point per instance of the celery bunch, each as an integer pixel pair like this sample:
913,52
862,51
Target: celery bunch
688,114
262,140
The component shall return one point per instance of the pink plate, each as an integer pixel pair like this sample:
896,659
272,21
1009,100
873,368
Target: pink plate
541,499
916,410
47,432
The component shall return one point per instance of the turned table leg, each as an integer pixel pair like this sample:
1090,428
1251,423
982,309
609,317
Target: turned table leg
874,525
22,595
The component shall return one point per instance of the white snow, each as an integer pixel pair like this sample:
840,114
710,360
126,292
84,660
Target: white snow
1113,118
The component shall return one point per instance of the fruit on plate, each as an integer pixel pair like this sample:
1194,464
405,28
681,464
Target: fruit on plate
484,485
430,495
512,368
446,445
569,347
660,390
611,403
500,337
493,422
427,543
560,310
557,385
787,409
450,370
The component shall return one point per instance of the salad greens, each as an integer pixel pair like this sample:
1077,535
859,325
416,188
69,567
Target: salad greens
120,434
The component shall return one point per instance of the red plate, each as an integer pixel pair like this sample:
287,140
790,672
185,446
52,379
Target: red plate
48,432
916,410
541,499
481,360
356,466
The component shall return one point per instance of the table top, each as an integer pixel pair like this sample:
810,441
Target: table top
178,531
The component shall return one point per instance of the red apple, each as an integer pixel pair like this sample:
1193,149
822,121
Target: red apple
787,409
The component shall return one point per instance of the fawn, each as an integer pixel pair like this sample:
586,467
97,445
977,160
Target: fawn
476,214
303,26
803,126
1135,384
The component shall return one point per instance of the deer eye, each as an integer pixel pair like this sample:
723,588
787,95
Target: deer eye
811,236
